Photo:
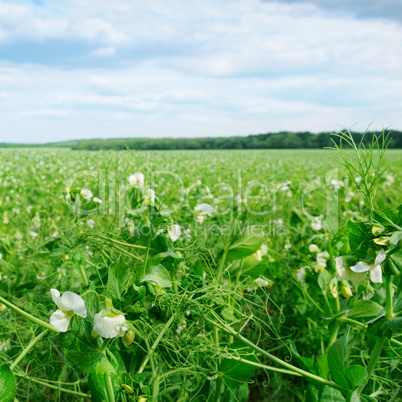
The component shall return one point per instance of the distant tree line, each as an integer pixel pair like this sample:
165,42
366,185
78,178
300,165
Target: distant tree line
281,140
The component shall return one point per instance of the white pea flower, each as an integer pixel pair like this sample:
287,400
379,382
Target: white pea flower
344,272
337,184
301,273
33,234
41,276
1,256
91,223
313,248
316,225
35,224
261,252
203,210
97,200
136,179
151,195
69,304
374,269
110,326
174,232
4,344
390,180
86,193
261,282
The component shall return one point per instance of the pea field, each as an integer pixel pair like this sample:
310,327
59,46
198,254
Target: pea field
221,275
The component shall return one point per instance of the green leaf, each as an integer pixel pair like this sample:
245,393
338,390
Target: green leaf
159,275
243,246
308,364
235,372
356,375
337,360
312,393
7,384
331,395
360,236
322,365
389,218
395,237
83,355
364,308
119,275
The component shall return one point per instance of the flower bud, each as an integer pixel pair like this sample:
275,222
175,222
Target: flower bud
2,307
313,248
128,337
346,291
333,287
377,229
127,389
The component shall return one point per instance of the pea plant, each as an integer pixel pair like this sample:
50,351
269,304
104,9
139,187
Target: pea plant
160,309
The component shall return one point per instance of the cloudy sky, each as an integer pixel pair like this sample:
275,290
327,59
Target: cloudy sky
74,69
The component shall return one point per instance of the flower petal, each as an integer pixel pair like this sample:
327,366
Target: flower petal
60,320
361,266
381,256
56,297
70,301
376,274
110,326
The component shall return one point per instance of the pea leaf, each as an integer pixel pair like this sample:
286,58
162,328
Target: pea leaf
360,236
119,274
331,395
235,372
356,375
159,275
337,360
364,308
7,384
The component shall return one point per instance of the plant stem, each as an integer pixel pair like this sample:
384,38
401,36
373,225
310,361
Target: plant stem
27,349
221,264
375,354
304,373
155,344
45,384
109,387
388,289
155,389
334,333
84,275
144,267
27,315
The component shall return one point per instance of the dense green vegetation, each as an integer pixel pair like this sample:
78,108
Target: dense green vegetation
282,140
220,276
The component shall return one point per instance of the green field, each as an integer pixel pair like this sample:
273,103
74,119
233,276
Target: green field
215,276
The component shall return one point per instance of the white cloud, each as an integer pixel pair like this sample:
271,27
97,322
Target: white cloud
200,68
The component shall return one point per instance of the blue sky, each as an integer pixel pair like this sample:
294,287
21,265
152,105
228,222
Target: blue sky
81,69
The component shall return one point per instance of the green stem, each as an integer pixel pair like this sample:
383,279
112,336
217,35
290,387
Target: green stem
350,321
388,289
27,349
144,267
151,350
221,264
375,354
230,330
109,387
45,384
121,243
84,275
27,315
334,333
155,389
